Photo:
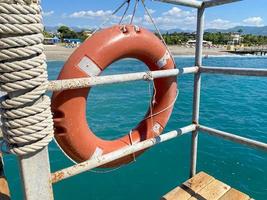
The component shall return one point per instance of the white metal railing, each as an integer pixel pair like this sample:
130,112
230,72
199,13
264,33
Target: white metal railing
107,158
120,78
198,4
234,71
194,128
35,182
234,138
189,3
76,83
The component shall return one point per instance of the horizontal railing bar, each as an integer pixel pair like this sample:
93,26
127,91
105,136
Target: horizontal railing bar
59,85
212,3
107,158
234,71
189,3
234,138
198,4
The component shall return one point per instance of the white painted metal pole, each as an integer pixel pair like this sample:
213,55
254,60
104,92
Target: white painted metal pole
119,78
189,3
234,71
212,3
36,176
197,85
34,167
234,138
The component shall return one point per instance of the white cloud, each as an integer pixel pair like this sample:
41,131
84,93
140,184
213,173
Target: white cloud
226,24
91,14
48,13
175,18
151,11
253,21
176,12
171,19
221,24
61,24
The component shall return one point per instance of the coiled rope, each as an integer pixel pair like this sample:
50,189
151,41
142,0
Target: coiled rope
26,115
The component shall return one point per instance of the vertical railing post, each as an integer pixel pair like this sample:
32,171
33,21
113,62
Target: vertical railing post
25,103
36,176
197,85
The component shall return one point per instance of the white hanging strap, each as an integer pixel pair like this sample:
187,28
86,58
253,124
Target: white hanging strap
151,104
149,77
131,140
164,60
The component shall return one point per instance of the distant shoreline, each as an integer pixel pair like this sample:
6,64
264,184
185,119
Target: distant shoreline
61,53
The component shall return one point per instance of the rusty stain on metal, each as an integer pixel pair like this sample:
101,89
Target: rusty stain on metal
57,176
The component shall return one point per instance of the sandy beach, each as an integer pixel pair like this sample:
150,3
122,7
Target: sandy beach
57,52
61,53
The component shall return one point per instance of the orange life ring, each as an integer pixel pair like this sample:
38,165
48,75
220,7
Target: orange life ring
90,59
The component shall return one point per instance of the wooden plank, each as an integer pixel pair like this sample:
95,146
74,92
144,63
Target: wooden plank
199,181
4,189
213,191
189,188
177,194
204,187
234,194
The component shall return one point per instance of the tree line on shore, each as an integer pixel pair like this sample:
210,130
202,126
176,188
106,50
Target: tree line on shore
216,38
175,38
64,32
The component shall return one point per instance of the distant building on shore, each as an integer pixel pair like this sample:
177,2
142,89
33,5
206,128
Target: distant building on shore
236,39
87,33
72,42
51,41
193,43
235,42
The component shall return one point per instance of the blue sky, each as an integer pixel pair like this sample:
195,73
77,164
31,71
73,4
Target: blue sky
91,13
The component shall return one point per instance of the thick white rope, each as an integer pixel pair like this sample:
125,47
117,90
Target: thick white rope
21,41
18,9
26,115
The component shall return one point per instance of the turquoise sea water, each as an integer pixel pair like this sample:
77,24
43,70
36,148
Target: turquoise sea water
230,103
